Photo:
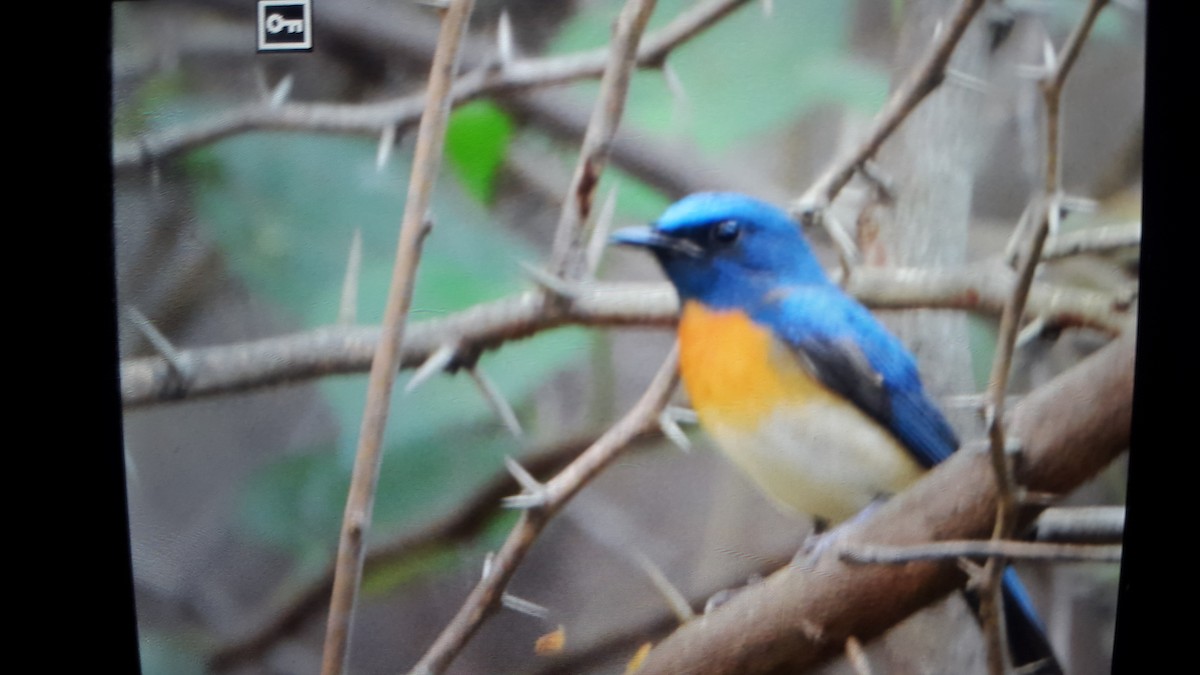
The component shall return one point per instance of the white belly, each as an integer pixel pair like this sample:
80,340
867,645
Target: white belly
822,459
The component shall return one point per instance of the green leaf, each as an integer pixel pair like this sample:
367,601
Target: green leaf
476,142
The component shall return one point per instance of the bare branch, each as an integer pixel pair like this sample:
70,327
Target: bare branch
923,79
373,118
982,288
983,548
1047,208
1070,428
385,364
462,524
571,236
484,599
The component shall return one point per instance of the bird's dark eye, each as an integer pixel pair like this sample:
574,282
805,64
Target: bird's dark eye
726,231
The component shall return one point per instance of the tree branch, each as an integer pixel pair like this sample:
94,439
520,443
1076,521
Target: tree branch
485,598
1070,428
225,369
1047,206
923,79
373,118
360,500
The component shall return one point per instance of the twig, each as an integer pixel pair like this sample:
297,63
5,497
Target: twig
484,599
1046,209
571,235
372,119
1073,427
923,79
462,524
385,365
1090,524
982,288
982,548
1100,239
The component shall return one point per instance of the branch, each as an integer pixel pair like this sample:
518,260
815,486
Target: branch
570,235
922,80
384,366
485,598
1047,205
1070,428
462,524
373,118
225,369
983,548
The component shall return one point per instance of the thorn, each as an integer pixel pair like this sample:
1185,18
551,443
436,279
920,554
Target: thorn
387,141
556,285
488,559
1049,55
883,185
437,361
282,91
674,84
504,40
533,493
974,571
521,475
989,417
967,81
160,343
1012,249
768,8
669,424
937,29
675,600
1054,214
348,305
496,400
1030,332
599,241
847,251
524,606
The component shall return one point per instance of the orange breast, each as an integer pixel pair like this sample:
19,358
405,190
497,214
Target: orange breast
735,372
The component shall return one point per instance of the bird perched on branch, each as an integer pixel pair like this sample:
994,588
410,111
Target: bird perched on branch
799,385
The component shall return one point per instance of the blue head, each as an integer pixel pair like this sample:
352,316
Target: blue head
726,249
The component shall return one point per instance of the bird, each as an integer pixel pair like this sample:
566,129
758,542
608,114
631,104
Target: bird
799,385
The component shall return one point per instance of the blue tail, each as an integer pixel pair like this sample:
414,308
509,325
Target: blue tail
1027,641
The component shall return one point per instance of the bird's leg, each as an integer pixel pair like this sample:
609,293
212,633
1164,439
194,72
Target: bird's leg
822,537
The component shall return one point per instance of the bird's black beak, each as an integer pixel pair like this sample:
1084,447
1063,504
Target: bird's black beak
646,236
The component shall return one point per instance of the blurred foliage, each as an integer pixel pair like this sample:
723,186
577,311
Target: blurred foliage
747,76
283,209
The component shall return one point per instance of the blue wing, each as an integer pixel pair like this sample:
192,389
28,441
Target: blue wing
849,351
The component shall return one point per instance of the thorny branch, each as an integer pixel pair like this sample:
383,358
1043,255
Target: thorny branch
923,79
374,118
1047,206
569,238
335,350
1073,426
461,524
485,598
326,351
385,364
